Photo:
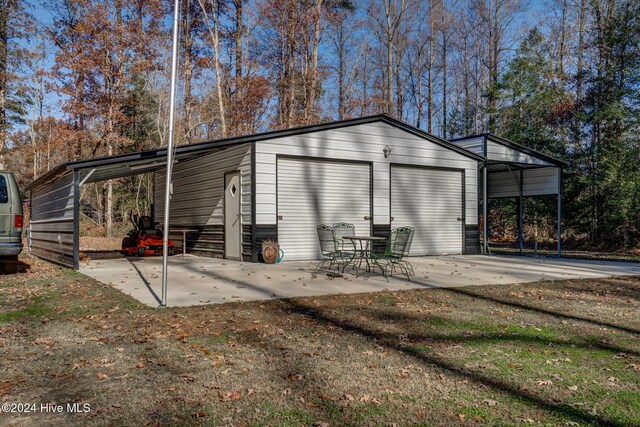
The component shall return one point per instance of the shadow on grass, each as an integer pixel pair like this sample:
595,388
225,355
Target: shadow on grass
559,409
481,335
504,302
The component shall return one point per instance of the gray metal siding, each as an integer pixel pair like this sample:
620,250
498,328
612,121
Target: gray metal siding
198,197
52,223
502,153
312,192
504,184
537,182
363,142
543,181
431,201
475,145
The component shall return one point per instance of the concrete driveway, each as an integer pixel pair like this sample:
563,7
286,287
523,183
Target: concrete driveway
197,280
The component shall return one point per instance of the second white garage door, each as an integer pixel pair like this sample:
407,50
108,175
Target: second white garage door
312,192
431,201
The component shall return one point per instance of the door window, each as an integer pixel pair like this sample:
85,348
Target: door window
4,191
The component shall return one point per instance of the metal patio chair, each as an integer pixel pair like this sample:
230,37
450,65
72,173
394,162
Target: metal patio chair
344,246
397,249
327,247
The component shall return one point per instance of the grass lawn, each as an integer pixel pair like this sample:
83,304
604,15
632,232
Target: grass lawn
548,353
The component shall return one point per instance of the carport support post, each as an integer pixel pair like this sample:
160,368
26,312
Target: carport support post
76,219
485,208
559,212
167,189
521,212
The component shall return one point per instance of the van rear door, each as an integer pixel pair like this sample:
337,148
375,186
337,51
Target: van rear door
5,209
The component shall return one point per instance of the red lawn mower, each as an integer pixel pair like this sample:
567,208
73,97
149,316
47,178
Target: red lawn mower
144,239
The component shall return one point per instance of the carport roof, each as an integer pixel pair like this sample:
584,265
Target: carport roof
515,146
104,168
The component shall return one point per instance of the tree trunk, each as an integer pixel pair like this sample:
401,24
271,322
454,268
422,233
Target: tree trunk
188,67
213,33
311,96
443,29
4,12
239,118
341,100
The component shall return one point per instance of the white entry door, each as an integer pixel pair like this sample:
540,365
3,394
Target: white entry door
232,223
430,200
312,192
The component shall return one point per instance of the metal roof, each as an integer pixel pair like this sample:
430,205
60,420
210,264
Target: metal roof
103,168
503,141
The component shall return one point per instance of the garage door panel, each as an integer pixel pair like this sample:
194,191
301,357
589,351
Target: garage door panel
430,200
318,192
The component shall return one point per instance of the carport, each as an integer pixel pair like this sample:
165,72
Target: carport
511,170
54,228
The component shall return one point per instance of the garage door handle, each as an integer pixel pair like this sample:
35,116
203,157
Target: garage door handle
460,218
367,218
279,217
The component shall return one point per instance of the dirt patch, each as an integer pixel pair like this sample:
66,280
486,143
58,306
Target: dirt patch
554,353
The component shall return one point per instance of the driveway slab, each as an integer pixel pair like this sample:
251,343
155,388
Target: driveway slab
198,280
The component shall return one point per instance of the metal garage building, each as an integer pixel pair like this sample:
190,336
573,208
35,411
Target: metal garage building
375,172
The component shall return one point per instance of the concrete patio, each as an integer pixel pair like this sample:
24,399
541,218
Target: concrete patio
197,280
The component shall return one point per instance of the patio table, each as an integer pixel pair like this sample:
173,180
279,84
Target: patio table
363,252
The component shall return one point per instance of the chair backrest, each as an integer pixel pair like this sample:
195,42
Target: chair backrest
341,230
325,237
400,241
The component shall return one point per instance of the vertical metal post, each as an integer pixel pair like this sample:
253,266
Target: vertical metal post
521,212
167,189
485,208
76,219
559,212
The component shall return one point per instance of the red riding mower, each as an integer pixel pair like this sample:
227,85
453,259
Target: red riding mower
144,239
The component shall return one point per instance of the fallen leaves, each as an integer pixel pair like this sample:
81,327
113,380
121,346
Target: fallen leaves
102,376
230,396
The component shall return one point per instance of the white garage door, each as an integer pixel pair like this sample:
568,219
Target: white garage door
314,192
431,201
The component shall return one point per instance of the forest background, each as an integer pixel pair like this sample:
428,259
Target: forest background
88,78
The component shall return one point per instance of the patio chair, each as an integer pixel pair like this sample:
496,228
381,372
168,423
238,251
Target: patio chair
341,230
327,247
397,249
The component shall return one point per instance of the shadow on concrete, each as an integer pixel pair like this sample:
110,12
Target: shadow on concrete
145,281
